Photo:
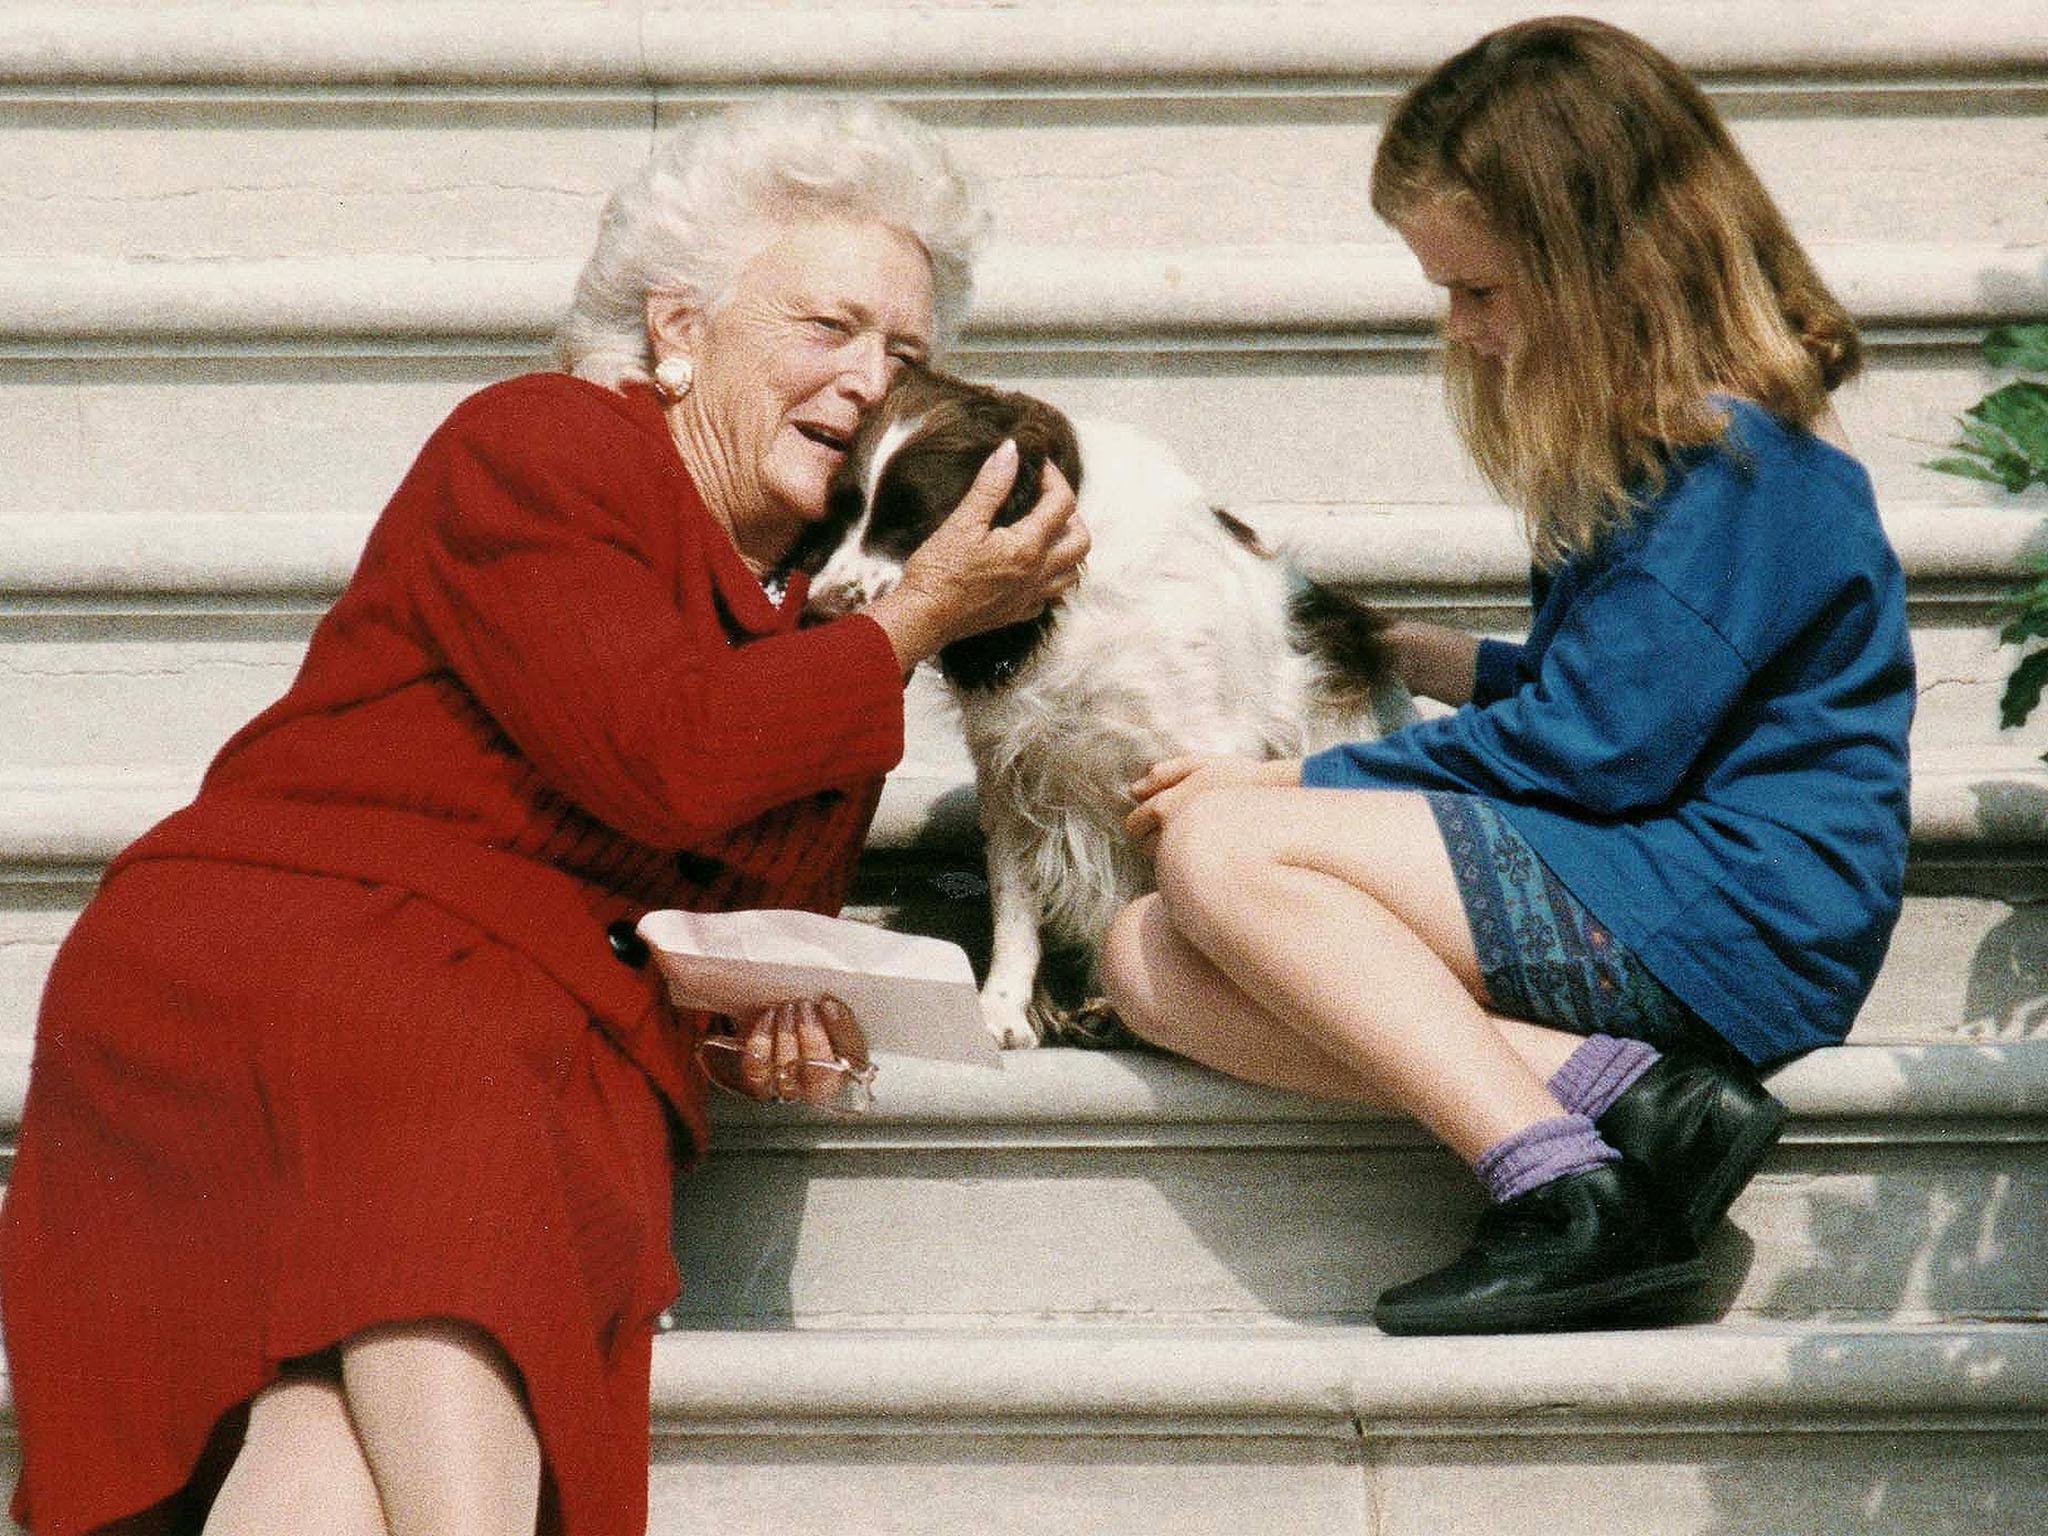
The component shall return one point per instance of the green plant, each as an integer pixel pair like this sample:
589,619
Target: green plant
2005,440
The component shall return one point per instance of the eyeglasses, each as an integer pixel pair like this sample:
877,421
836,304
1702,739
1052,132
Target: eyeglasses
854,1086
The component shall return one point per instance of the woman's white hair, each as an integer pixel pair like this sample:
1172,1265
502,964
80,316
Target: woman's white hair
715,194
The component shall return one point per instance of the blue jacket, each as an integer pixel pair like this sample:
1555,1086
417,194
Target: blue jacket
1704,736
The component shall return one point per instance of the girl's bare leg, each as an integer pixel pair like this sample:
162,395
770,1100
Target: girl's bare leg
1170,993
1335,914
445,1429
300,1469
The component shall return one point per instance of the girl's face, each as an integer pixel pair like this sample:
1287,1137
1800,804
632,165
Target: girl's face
1459,256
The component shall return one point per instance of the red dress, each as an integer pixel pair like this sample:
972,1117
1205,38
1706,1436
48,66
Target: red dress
343,1042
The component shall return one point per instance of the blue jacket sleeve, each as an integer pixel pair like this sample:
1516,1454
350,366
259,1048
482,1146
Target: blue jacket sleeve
1497,671
1628,694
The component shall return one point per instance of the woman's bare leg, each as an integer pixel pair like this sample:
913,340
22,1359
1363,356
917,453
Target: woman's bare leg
445,1429
1336,914
300,1469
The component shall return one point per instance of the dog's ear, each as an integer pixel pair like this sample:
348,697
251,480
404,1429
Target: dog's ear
1065,450
1023,490
1042,433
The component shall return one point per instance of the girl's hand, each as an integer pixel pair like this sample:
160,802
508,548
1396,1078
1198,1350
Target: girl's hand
1169,787
1433,660
790,1052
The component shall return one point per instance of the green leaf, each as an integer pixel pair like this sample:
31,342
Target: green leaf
2023,690
2020,412
2018,346
1990,453
2028,625
2014,472
2004,439
1968,468
1980,437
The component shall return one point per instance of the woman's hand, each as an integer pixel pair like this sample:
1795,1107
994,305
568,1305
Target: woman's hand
791,1052
1171,786
970,575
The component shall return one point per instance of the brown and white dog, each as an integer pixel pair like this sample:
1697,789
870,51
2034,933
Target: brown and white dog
1185,634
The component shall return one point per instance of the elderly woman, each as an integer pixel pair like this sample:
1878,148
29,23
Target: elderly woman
343,1188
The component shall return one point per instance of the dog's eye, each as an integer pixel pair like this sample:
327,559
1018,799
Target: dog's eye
900,518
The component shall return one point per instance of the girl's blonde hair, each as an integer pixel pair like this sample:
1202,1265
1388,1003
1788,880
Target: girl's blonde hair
1651,268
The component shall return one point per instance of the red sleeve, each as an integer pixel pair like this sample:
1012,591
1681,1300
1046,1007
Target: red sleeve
535,582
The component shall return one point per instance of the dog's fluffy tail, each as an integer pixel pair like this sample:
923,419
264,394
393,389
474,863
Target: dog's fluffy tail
1347,640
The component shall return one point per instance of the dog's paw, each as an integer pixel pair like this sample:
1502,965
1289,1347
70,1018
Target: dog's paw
1008,1025
1091,1025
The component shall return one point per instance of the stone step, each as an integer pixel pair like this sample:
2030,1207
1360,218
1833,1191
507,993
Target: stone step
641,45
1090,1187
1968,962
1760,1430
287,427
500,137
1107,1293
135,646
1328,1432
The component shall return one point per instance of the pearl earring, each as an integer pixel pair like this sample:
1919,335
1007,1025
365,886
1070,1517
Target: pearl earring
672,376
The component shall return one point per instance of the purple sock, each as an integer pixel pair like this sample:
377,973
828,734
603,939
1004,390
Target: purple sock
1547,1150
1600,1071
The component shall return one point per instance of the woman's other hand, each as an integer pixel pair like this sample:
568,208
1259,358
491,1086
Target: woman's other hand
792,1051
971,576
1170,786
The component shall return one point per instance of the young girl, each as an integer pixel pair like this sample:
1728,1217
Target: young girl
1662,841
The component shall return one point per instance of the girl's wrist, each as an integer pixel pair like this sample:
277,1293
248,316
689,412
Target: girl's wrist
1434,660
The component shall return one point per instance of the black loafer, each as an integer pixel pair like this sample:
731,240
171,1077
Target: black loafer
1700,1128
1585,1249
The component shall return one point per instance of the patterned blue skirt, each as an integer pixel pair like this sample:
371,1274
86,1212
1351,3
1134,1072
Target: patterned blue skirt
1542,955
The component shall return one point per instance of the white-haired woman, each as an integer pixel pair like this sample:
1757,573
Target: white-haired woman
343,1187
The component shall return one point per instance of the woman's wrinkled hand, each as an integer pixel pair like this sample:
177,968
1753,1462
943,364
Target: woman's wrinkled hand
1171,786
971,576
791,1052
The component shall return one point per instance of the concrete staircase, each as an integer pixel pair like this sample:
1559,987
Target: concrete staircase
250,254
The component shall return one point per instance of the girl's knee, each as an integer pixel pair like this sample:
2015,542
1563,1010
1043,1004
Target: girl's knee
1205,852
1138,971
1121,963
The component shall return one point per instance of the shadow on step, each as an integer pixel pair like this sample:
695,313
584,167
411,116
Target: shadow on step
2006,991
1936,1220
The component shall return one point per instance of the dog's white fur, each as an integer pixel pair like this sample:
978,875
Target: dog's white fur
1176,640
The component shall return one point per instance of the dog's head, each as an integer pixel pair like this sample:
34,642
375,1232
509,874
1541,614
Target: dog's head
909,465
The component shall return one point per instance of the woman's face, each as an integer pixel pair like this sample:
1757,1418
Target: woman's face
816,327
1459,256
